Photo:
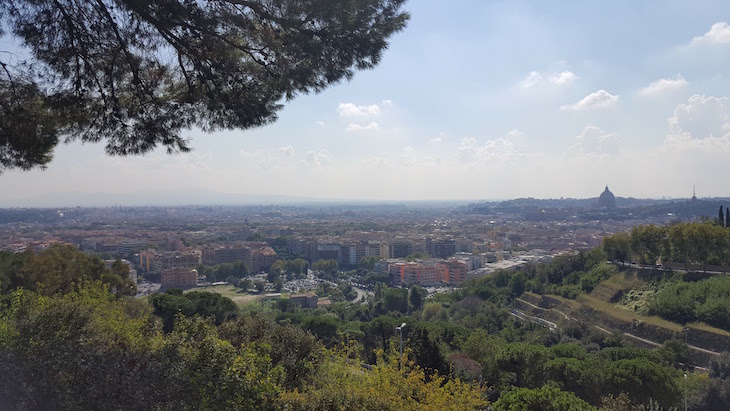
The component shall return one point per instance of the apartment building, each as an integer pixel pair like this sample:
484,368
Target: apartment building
262,259
400,248
179,277
156,261
453,271
225,254
328,251
425,272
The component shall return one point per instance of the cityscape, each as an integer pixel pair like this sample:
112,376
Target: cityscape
364,205
431,244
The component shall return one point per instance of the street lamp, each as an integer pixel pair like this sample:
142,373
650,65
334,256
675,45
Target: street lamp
685,391
401,343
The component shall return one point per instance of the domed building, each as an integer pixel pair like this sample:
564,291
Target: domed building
607,199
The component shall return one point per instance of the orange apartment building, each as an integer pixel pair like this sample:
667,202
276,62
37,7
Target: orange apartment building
179,277
454,271
429,272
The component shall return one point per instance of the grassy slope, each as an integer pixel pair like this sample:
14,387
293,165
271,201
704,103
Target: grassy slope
600,300
629,280
239,297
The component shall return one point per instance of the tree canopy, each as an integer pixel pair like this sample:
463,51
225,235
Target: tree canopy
136,73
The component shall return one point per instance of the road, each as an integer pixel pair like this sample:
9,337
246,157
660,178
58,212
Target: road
519,314
362,295
655,268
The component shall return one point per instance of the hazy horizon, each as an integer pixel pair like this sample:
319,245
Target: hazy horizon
182,199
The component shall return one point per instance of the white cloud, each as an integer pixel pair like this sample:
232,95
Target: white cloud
319,123
472,153
387,103
701,118
536,79
515,134
379,161
354,127
699,134
269,158
663,85
408,156
599,99
287,151
719,34
438,140
562,78
594,140
532,80
319,158
352,110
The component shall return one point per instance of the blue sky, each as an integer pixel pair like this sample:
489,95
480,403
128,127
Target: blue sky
474,100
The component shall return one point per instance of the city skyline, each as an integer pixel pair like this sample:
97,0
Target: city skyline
479,102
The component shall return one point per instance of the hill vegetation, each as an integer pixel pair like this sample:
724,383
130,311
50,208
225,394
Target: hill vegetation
82,345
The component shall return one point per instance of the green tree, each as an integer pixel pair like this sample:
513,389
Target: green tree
417,256
340,385
325,266
721,218
276,270
297,351
517,284
57,268
426,352
97,71
369,262
396,299
547,398
323,326
417,295
526,362
378,332
679,244
87,349
245,284
646,242
618,247
173,303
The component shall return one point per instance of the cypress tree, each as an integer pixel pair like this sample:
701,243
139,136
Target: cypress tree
727,216
721,218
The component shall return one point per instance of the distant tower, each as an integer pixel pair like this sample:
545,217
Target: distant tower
694,193
607,199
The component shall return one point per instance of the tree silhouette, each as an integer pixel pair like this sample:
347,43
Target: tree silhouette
721,218
136,73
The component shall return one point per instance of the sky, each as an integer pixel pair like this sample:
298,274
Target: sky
474,100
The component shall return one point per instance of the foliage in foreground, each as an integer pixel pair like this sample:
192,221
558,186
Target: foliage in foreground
89,350
342,385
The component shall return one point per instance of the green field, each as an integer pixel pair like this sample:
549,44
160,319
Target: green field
239,297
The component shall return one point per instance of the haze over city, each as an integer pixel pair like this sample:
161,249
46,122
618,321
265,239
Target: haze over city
481,100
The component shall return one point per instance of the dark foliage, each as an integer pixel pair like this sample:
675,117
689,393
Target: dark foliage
136,73
203,303
57,269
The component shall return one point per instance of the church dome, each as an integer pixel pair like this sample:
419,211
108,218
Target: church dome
607,199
